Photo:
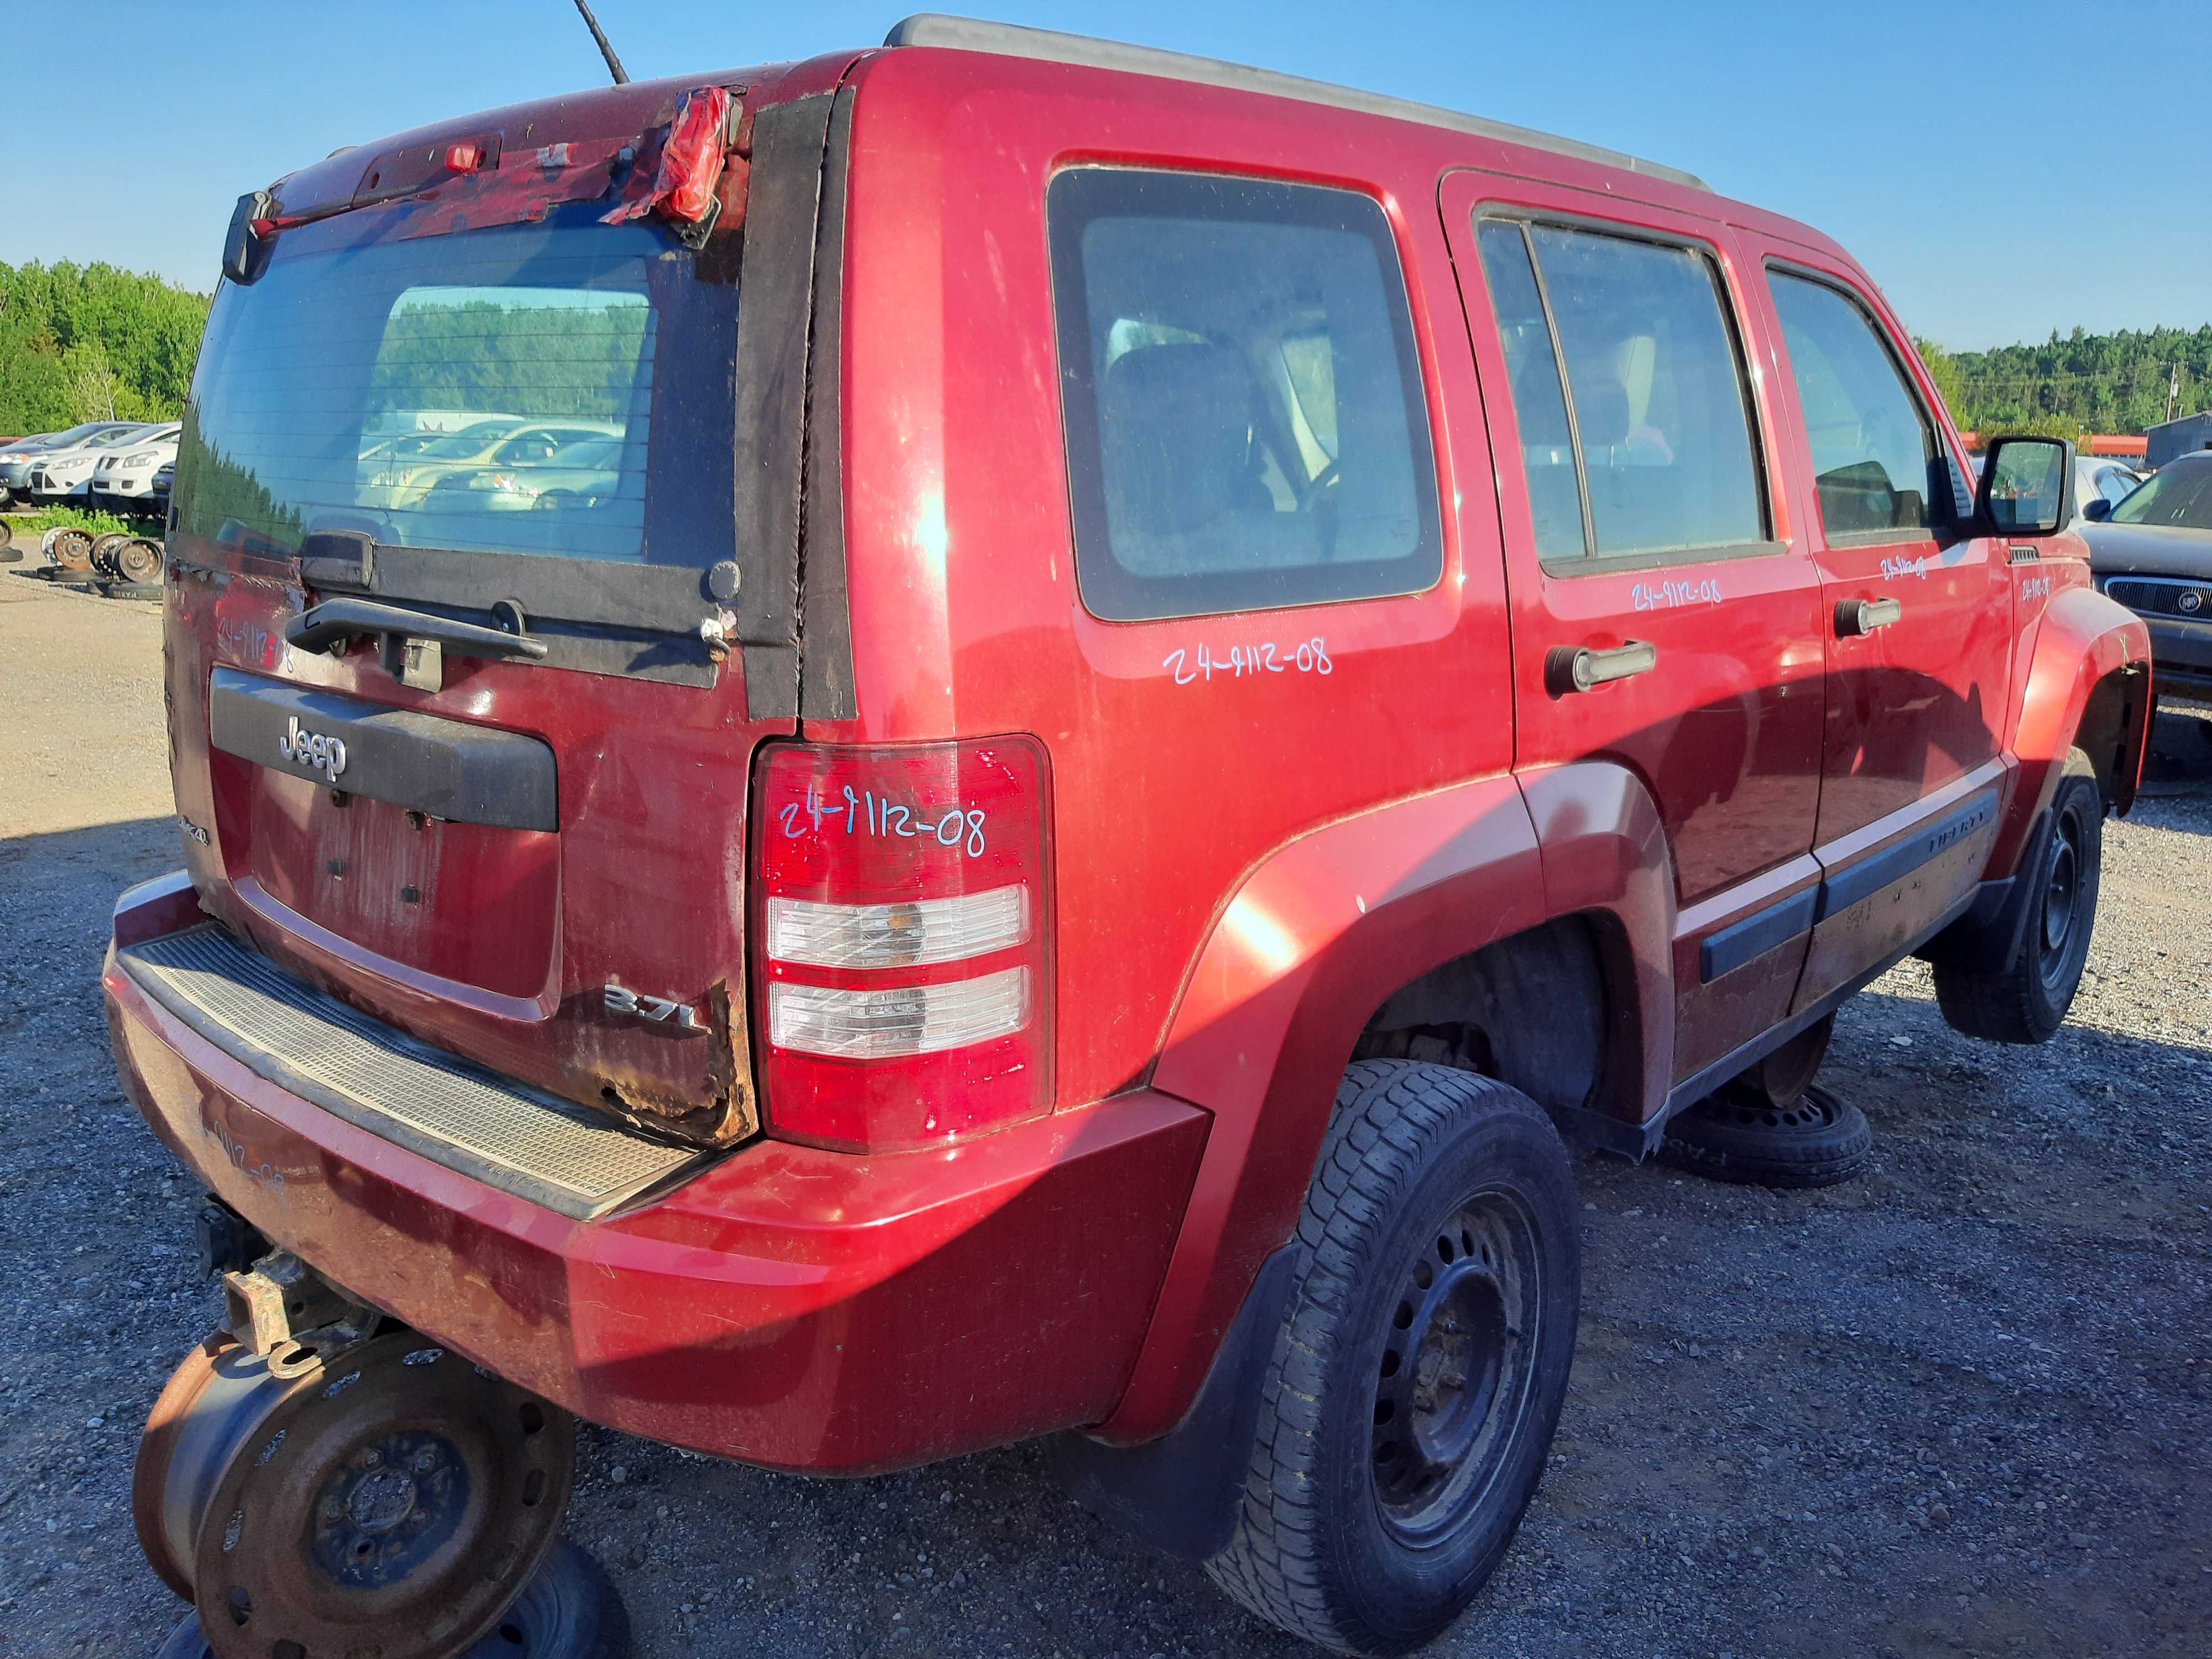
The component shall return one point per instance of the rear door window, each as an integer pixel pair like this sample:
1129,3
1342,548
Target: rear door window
1245,418
1874,452
1662,449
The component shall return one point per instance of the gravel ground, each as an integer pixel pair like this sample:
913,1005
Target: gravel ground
1960,1405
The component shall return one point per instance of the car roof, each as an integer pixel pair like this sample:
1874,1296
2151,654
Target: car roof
1049,45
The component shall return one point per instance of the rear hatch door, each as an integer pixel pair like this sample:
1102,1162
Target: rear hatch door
483,570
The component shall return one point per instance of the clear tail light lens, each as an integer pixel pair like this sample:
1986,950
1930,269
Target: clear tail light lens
902,921
909,1020
906,935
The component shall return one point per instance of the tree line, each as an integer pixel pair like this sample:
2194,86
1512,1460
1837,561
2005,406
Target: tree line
91,342
2077,383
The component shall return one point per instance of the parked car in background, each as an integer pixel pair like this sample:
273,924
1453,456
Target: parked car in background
164,476
401,481
2153,553
2101,478
65,470
18,459
123,477
569,477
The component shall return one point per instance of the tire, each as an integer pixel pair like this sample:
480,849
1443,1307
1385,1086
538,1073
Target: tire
2027,1000
568,1610
1814,1141
1781,1079
1442,1210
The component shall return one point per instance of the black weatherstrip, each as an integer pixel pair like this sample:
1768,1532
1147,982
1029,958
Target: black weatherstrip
825,651
778,293
1854,881
450,769
1727,949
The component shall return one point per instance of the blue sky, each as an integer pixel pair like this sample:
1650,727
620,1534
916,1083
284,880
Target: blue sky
2003,170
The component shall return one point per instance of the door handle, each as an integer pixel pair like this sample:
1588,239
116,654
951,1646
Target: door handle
1578,668
1856,617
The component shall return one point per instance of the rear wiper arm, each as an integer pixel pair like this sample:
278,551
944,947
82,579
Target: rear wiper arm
413,641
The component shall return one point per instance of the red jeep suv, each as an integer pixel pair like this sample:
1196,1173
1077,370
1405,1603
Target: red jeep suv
1149,686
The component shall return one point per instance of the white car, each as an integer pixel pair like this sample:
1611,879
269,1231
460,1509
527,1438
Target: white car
66,471
123,477
2102,478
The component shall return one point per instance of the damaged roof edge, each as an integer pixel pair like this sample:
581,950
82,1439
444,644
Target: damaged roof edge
1048,45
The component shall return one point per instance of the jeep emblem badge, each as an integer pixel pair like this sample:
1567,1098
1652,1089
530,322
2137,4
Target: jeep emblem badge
312,750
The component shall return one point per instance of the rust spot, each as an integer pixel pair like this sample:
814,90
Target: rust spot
729,1115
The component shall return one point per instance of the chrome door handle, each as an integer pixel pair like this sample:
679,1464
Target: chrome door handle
1578,668
1856,617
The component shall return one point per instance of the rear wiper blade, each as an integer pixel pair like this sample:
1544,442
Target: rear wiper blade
413,641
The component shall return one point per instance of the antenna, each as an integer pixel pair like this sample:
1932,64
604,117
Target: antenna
614,63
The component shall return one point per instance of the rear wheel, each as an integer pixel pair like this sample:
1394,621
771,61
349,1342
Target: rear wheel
2026,1000
1415,1383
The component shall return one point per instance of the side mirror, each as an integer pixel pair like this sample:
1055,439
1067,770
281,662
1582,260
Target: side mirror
2027,486
2098,510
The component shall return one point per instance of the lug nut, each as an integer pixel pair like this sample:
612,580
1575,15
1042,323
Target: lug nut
371,1458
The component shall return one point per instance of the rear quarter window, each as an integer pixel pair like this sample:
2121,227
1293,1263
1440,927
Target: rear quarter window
1245,422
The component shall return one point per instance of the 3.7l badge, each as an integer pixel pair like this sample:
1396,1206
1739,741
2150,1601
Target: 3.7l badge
312,750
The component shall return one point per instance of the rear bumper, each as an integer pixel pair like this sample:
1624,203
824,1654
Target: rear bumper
794,1308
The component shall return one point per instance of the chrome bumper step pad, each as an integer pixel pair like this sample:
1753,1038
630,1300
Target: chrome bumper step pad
493,1129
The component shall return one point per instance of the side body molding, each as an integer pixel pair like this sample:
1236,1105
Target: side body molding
2081,641
1307,949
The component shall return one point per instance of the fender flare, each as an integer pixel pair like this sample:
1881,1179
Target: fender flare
1314,938
2081,641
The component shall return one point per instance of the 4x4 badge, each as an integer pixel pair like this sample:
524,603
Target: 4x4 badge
312,750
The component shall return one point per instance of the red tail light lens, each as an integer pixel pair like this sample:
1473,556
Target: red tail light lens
901,926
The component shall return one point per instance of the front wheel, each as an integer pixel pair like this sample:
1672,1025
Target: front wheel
2026,999
1410,1401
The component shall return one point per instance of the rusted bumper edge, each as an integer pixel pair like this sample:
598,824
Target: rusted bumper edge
801,1309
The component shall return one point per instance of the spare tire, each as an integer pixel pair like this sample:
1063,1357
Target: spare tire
1815,1140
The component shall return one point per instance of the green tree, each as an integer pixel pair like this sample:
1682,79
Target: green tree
79,341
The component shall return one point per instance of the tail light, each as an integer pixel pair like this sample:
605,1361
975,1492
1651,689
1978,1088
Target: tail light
902,940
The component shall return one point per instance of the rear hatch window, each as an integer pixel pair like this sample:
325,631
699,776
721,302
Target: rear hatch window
506,392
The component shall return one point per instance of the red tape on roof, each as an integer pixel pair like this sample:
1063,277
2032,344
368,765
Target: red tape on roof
691,163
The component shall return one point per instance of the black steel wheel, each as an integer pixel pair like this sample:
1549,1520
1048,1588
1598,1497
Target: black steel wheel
104,550
138,560
1415,1383
390,1496
1814,1141
2026,999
